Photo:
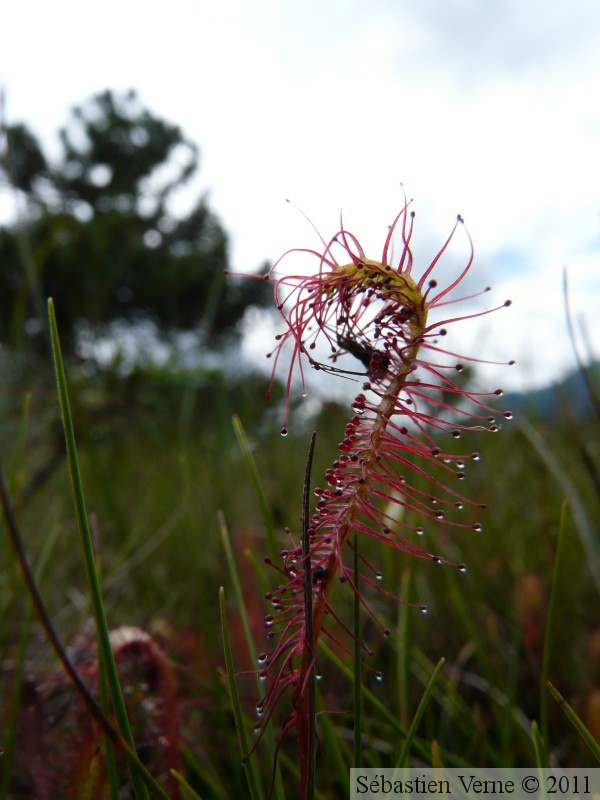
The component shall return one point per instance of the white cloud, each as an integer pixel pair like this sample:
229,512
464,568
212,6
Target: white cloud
487,109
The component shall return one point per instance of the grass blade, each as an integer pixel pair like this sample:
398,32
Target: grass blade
436,756
584,528
404,643
418,715
185,785
102,633
243,614
357,688
310,637
237,586
337,752
261,497
371,699
236,707
549,630
575,720
539,748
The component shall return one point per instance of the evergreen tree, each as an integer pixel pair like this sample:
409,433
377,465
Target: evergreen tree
99,234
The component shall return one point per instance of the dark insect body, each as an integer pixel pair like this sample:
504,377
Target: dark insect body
375,362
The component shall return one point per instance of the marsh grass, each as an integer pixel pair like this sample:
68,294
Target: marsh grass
160,461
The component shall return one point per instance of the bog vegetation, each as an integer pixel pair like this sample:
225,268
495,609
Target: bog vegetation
188,486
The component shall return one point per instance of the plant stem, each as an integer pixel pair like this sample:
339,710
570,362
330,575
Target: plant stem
52,636
311,757
357,664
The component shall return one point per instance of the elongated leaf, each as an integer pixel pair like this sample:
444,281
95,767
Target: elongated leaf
102,633
549,631
538,746
357,688
418,715
261,497
586,532
243,614
576,721
186,787
236,707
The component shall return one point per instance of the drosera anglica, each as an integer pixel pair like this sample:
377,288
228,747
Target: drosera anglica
391,315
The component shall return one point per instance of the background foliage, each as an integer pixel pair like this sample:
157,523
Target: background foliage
98,231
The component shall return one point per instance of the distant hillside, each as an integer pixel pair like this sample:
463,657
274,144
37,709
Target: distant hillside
571,391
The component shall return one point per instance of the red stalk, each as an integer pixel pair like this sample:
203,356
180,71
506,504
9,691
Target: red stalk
377,313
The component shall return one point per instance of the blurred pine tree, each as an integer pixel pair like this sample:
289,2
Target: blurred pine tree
99,234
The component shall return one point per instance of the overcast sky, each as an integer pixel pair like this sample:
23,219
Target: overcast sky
487,108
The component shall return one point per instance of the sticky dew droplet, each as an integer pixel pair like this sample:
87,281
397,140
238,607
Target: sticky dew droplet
378,676
423,609
462,567
284,431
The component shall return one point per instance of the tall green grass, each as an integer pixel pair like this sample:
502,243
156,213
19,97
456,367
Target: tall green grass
159,459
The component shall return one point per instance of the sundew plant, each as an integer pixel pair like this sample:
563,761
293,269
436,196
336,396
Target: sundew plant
133,721
392,476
